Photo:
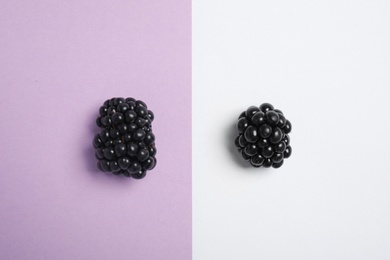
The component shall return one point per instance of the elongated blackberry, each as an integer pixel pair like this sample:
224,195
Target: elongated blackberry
263,138
126,143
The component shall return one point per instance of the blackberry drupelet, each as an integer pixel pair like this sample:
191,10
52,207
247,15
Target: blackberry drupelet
126,143
263,138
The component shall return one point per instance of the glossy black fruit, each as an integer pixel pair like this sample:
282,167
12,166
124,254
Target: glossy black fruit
272,117
262,143
123,107
130,116
245,156
267,163
286,139
263,138
266,107
140,103
97,141
251,134
104,165
257,160
277,157
242,124
125,144
149,138
277,165
276,135
139,174
241,141
150,116
282,121
104,135
135,167
287,152
265,130
280,147
251,111
267,152
141,111
114,134
139,135
258,118
152,151
287,127
236,143
140,122
120,150
109,153
124,163
103,110
143,154
117,118
99,153
106,121
149,163
122,128
114,166
251,149
132,149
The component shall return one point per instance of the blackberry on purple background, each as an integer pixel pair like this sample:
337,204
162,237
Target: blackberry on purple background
125,144
263,138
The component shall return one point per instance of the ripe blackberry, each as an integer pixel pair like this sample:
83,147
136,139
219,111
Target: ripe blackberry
263,138
126,143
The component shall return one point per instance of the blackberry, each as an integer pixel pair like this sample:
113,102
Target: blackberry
263,138
125,144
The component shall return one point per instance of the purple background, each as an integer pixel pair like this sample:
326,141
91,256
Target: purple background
59,61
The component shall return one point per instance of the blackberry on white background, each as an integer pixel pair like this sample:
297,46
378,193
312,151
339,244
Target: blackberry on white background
126,143
263,138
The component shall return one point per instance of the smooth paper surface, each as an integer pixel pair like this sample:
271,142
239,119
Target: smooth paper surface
60,60
325,64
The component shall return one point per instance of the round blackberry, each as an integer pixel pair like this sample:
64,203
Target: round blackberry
125,144
263,138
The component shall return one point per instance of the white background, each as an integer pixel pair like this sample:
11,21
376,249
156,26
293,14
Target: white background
326,65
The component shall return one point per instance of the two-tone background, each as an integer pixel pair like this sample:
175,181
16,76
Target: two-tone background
197,65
